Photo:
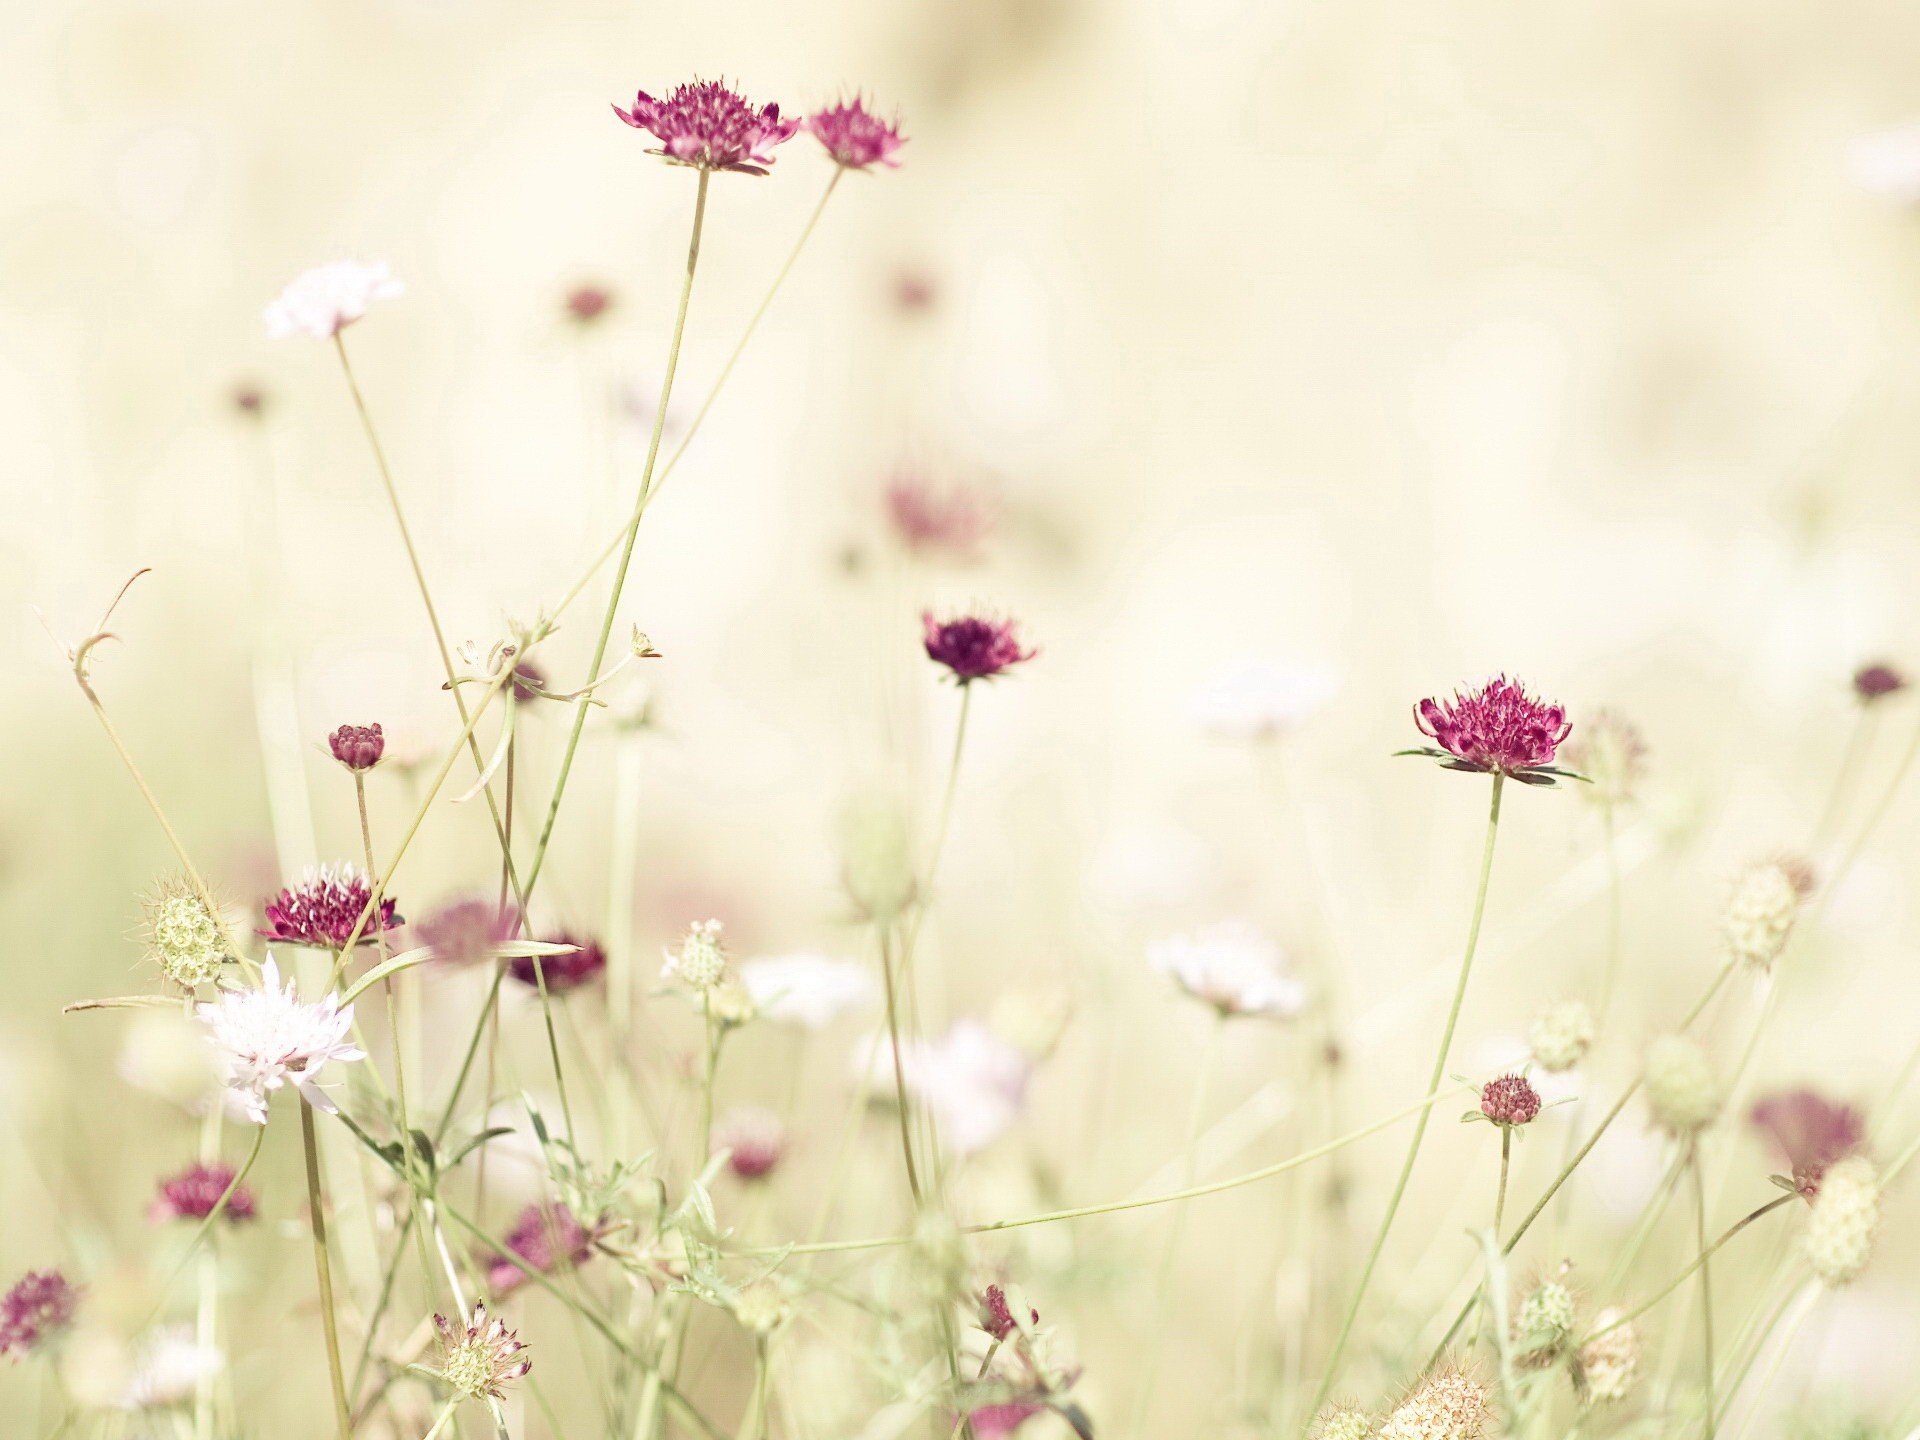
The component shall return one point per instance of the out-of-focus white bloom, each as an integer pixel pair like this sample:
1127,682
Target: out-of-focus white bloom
326,299
1761,911
1607,1364
169,1370
807,989
1232,967
1682,1089
269,1038
701,962
972,1081
1260,700
1887,163
165,1054
1561,1035
1845,1215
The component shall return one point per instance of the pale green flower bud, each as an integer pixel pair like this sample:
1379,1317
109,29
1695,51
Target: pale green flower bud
1846,1213
1561,1035
1681,1085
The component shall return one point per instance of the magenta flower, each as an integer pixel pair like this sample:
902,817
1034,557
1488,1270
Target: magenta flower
973,647
529,681
926,520
587,303
996,1316
466,931
1498,729
855,137
324,907
755,1138
192,1194
1510,1100
996,1422
1876,682
711,126
1810,1132
544,1237
358,747
37,1308
561,972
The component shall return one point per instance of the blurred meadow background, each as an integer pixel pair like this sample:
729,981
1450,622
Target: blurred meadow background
1399,344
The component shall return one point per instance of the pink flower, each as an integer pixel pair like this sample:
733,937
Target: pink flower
561,972
757,1139
325,300
973,647
855,137
1810,1132
927,520
711,126
996,1316
1876,682
466,931
38,1307
324,907
995,1422
192,1194
1498,729
358,747
1510,1100
586,303
545,1237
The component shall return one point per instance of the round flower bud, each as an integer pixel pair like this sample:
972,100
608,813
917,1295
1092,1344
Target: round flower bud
183,938
1681,1086
358,747
1761,911
1605,1368
877,860
1448,1406
1510,1100
760,1307
1543,1322
1841,1225
1344,1422
700,963
1561,1036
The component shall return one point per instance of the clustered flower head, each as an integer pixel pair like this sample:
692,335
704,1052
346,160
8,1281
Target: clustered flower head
184,938
1446,1406
1543,1323
1681,1086
755,1139
192,1194
1344,1422
1561,1035
973,647
1762,909
1810,1132
325,300
995,1314
1232,967
1509,1100
466,932
701,961
1877,682
269,1038
585,962
481,1356
926,520
1498,729
709,125
1841,1225
323,909
40,1305
855,137
1612,754
545,1237
807,990
1605,1367
358,747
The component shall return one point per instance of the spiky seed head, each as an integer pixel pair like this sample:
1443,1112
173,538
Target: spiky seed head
1682,1087
1561,1035
1344,1422
1841,1225
1607,1365
1448,1405
183,938
1543,1322
1761,912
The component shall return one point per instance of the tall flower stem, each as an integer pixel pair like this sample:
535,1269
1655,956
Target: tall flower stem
1706,1284
1331,1374
323,1270
899,1066
1506,1161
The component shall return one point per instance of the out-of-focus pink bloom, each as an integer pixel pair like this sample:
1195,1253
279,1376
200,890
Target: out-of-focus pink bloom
951,522
465,932
561,972
545,1237
995,1422
325,300
529,681
358,747
37,1308
756,1138
1498,729
973,1082
324,907
1232,967
1810,1132
808,990
249,399
192,1194
711,126
1876,682
855,137
914,291
587,303
973,647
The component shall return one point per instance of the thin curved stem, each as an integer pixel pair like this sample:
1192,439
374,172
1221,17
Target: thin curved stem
1706,1285
323,1270
1700,1260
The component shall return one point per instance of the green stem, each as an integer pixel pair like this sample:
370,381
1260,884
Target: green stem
1674,1284
1506,1160
899,1067
1706,1283
323,1270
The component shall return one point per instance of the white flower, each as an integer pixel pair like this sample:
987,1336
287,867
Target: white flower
169,1370
701,961
1259,700
1232,967
973,1082
326,299
1887,164
807,989
268,1038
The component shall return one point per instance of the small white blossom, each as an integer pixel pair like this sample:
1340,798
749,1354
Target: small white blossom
1232,967
1259,700
169,1370
807,989
326,299
269,1038
701,962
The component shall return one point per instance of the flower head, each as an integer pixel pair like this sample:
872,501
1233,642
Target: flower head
192,1194
855,137
562,972
1561,1035
1510,1100
1842,1223
973,647
1344,1422
1605,1367
756,1139
269,1038
1876,682
701,961
1498,729
184,938
323,909
1762,909
587,303
465,932
1682,1089
1810,1132
1260,700
170,1369
1612,754
927,520
807,990
711,126
996,1315
358,747
544,1238
1446,1406
1003,1418
481,1356
1232,967
39,1306
325,300
973,1082
1543,1323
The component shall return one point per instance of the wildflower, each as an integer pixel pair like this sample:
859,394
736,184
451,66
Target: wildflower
996,1315
730,1004
1446,1406
1498,729
701,962
1344,1422
478,1358
1887,164
1543,1323
529,682
806,989
325,300
1612,754
1841,1225
192,1194
855,137
249,399
170,1369
1232,967
268,1038
1762,909
999,1420
973,647
914,291
711,126
587,303
1876,682
585,962
1681,1087
466,932
545,1238
39,1306
756,1139
876,860
930,521
1561,1036
1811,1133
1510,1100
358,747
761,1307
1259,700
323,909
1606,1366
973,1082
184,938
